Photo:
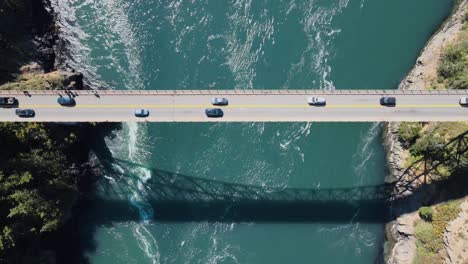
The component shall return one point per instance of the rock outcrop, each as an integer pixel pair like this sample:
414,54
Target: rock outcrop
456,237
404,250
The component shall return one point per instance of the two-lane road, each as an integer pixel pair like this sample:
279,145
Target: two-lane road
287,107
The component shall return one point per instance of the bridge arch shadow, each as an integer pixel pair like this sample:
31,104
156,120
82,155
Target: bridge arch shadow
176,197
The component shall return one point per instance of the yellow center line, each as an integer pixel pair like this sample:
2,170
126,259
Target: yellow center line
137,106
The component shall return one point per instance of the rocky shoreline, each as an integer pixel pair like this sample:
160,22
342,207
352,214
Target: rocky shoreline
424,72
401,240
29,50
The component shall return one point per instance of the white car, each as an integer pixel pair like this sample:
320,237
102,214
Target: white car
316,100
464,101
219,101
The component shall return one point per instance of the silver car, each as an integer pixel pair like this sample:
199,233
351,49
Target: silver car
316,100
464,101
219,101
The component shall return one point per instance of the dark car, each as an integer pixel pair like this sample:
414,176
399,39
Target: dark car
142,113
8,102
388,101
214,112
25,112
66,101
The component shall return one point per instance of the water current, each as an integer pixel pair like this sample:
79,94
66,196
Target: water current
143,214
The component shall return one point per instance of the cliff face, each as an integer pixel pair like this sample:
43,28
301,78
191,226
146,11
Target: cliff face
27,38
26,34
425,75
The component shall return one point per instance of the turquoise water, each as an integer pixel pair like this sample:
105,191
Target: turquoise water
288,44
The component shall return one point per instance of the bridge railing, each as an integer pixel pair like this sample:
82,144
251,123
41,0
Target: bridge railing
232,92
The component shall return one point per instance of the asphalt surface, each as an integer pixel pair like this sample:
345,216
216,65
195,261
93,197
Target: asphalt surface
241,108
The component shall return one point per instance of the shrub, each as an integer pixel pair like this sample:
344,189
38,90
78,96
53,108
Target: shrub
461,82
431,146
452,62
409,132
427,238
423,257
426,213
453,54
448,70
445,214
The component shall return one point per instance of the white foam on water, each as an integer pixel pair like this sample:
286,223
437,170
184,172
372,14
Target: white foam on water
133,135
245,38
221,251
147,242
317,23
365,151
88,26
291,139
363,2
353,234
103,26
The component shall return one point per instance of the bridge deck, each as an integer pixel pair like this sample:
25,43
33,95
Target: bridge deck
244,106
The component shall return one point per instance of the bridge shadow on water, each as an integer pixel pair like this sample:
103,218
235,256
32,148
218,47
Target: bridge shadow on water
176,197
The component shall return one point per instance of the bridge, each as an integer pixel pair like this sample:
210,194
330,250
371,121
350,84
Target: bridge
244,105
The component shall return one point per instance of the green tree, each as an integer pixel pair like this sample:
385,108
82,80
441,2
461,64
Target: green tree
431,147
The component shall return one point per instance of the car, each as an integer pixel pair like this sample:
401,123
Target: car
316,101
388,101
8,102
464,101
25,112
66,101
214,112
219,101
142,113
